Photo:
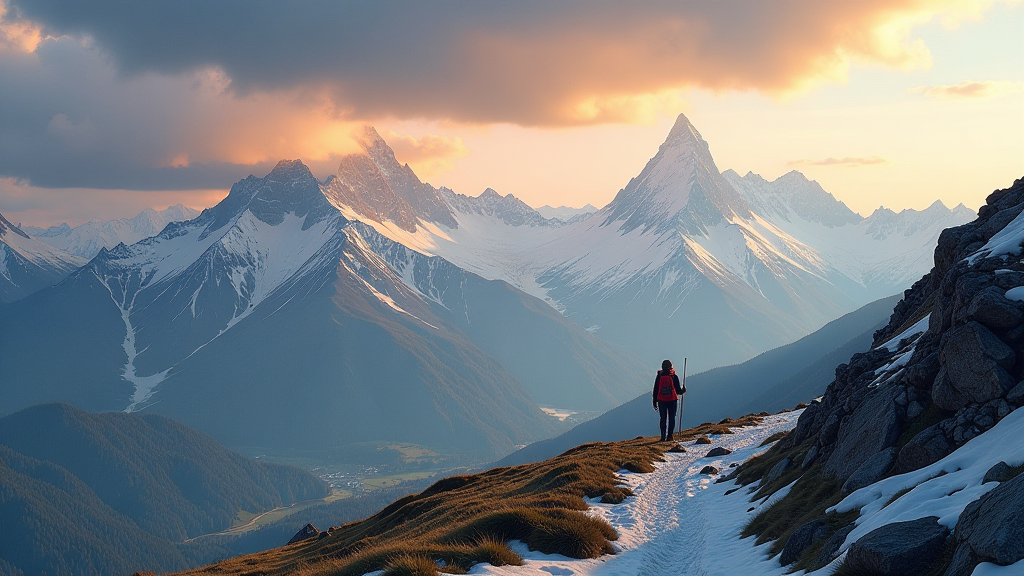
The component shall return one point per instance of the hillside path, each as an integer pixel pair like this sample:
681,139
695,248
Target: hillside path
677,523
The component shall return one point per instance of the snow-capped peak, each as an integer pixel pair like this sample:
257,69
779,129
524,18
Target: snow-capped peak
679,188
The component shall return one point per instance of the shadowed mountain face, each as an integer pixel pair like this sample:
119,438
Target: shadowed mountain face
276,323
112,493
773,381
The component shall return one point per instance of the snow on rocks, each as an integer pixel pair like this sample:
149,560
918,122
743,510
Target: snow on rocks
677,522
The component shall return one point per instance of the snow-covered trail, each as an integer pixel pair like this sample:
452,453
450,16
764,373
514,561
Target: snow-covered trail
678,522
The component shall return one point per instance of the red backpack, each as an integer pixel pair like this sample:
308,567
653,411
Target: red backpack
666,387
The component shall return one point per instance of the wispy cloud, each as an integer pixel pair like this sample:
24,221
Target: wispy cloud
847,161
971,89
429,154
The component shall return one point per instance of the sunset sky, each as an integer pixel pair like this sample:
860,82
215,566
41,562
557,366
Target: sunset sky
106,108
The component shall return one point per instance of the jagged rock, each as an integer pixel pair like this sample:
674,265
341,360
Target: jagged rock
944,395
898,548
872,470
991,307
998,473
914,409
993,525
976,362
963,563
921,374
802,538
810,458
776,472
709,470
323,535
718,451
830,551
308,531
873,427
927,447
1016,394
829,430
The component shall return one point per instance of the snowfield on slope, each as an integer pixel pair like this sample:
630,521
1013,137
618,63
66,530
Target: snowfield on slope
678,522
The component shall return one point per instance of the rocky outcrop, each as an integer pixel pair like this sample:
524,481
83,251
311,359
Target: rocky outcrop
993,525
873,427
872,470
897,549
307,531
802,538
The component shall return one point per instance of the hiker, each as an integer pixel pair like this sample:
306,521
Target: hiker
666,395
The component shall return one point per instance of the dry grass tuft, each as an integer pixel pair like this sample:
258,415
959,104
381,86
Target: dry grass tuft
464,520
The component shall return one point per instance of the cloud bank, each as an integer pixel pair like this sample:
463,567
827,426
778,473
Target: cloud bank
192,94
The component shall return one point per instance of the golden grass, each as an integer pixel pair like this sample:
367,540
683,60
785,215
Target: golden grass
464,520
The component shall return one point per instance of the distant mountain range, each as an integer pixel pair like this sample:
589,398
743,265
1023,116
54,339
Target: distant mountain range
684,260
86,240
113,493
277,324
34,258
373,307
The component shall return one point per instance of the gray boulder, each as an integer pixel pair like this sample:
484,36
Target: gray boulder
1016,394
993,525
993,309
976,362
873,427
718,451
709,470
963,563
1001,472
898,548
307,531
929,446
776,472
871,471
802,538
830,551
944,395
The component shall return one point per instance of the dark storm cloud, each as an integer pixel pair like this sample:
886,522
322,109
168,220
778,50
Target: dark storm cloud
528,62
121,95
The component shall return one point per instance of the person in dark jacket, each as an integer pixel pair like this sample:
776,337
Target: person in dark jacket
667,391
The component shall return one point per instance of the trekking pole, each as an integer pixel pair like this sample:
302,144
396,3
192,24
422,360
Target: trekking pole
681,397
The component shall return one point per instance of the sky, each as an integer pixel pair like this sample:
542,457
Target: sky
107,108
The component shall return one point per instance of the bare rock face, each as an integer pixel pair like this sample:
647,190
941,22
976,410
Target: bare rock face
898,548
802,538
991,308
873,427
993,525
776,472
929,446
872,470
976,363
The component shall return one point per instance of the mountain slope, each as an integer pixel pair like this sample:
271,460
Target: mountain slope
27,265
787,375
86,240
274,322
172,481
916,440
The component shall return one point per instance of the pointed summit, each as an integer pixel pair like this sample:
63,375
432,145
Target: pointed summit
680,188
375,186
